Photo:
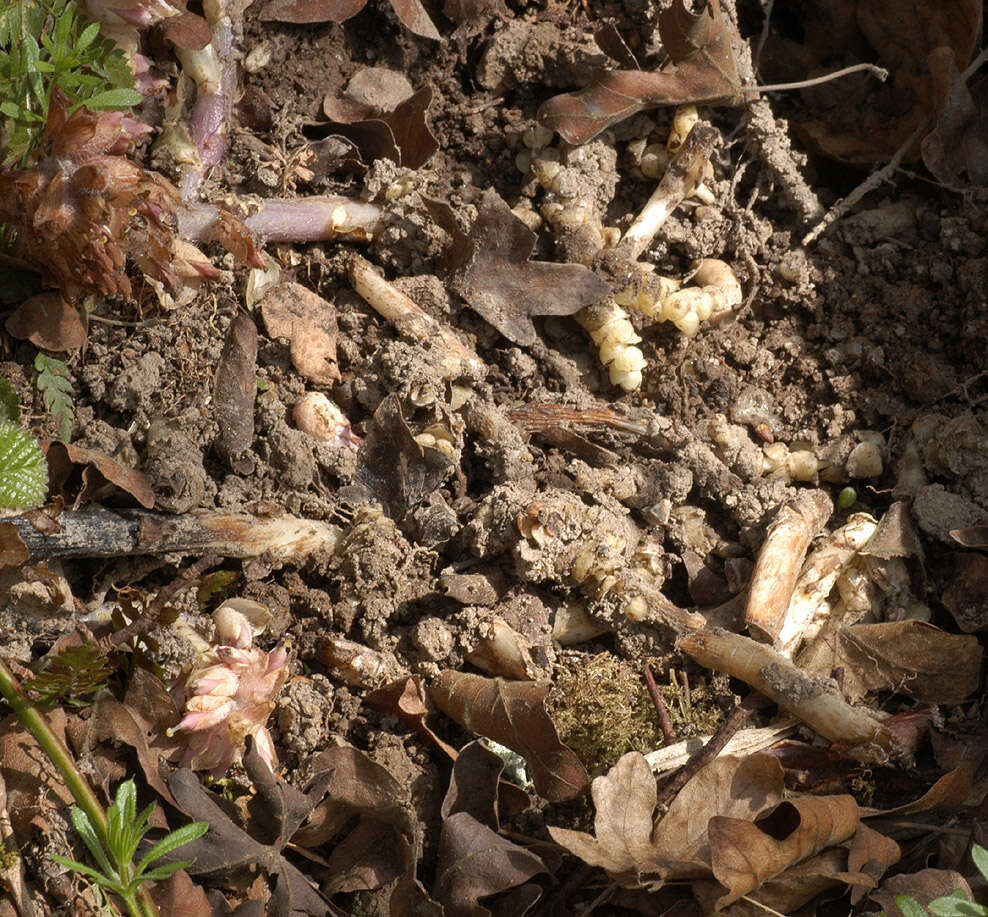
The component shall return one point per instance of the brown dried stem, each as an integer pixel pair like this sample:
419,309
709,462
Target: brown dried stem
665,724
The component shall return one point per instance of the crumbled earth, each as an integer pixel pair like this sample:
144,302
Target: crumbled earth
877,325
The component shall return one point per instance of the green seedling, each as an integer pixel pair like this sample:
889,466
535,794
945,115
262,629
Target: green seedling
56,389
23,469
46,45
956,904
71,678
125,829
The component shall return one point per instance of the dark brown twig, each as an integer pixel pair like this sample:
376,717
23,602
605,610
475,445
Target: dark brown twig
665,724
149,620
670,790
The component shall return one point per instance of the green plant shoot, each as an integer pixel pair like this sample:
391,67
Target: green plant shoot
117,872
47,45
56,390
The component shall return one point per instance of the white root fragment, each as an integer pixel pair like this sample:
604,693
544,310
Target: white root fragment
503,651
780,560
681,179
810,607
611,330
747,742
409,319
354,663
323,420
573,624
820,706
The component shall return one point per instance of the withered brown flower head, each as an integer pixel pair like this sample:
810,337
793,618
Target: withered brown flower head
83,207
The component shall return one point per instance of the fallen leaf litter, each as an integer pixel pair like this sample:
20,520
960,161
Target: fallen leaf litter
599,543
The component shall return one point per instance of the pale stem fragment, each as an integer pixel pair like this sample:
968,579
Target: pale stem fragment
820,706
101,533
305,219
810,607
780,560
408,318
747,742
684,174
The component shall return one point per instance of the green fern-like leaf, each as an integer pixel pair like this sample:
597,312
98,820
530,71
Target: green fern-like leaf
56,390
23,469
72,677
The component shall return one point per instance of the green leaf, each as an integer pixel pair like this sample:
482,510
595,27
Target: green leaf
956,904
163,872
23,469
178,838
56,390
909,906
85,829
88,36
87,871
980,857
114,98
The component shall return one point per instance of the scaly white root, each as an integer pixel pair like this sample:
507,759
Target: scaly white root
717,293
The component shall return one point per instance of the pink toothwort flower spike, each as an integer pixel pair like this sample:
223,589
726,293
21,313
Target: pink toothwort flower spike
216,680
202,716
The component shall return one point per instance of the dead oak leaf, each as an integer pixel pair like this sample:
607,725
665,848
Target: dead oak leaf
276,812
625,844
491,271
744,853
476,862
702,69
513,714
411,13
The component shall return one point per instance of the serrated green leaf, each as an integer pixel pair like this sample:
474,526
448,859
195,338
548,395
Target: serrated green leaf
23,469
956,904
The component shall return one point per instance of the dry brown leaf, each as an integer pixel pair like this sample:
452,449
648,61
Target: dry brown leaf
924,886
141,722
966,597
513,714
401,134
744,854
491,271
179,896
308,321
871,853
956,150
702,69
95,470
475,862
914,658
948,792
858,119
411,13
234,392
48,322
626,846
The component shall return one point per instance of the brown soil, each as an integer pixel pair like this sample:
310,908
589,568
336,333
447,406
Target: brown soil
881,321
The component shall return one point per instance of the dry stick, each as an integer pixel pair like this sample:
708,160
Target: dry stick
819,705
102,533
665,724
670,790
410,320
747,742
149,619
884,173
